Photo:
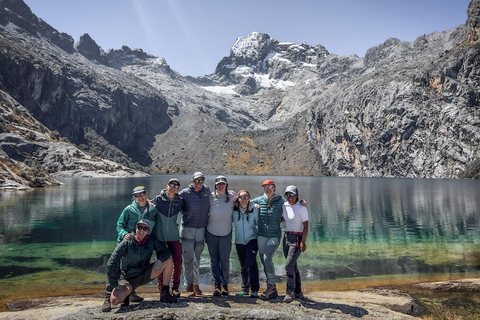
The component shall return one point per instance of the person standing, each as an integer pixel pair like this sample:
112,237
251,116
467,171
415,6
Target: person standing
139,209
218,235
296,230
269,232
192,230
169,204
245,220
132,257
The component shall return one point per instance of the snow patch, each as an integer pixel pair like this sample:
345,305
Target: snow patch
220,89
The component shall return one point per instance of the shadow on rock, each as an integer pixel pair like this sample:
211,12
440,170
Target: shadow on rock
151,305
344,308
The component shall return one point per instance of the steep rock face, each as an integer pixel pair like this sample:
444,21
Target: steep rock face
30,154
81,100
413,113
473,21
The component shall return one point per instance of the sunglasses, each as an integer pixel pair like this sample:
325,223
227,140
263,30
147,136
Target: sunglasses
289,194
270,186
137,195
142,228
244,197
198,181
174,185
221,180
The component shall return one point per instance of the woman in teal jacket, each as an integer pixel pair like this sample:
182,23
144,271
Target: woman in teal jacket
139,209
269,232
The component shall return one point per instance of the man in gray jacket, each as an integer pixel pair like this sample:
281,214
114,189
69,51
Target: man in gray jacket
192,230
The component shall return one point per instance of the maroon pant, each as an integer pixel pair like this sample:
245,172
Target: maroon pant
177,251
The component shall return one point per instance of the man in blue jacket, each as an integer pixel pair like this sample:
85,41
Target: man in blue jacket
195,217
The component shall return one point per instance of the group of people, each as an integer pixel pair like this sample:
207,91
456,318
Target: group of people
176,224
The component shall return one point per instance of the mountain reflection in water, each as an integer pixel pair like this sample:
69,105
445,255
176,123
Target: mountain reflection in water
359,227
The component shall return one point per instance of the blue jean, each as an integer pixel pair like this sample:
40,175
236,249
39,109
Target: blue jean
291,250
219,248
267,248
247,255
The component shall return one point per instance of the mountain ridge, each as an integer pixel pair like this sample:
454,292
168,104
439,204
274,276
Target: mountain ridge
404,110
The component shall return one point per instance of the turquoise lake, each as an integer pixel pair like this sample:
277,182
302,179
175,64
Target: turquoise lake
359,228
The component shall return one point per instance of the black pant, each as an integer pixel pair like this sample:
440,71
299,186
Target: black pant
291,250
247,254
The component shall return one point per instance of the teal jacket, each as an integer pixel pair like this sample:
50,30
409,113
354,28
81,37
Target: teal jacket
134,258
127,222
245,229
166,227
270,216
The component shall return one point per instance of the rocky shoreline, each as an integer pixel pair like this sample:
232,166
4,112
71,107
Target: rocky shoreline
383,303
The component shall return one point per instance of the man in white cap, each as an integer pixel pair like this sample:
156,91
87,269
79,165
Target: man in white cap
196,198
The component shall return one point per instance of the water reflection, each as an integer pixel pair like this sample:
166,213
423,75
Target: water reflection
358,226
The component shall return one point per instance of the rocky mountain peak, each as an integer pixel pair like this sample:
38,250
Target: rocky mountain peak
259,61
18,13
88,48
252,48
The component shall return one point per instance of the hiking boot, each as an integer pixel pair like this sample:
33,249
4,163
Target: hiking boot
135,298
270,293
126,302
217,291
242,293
175,292
166,296
190,291
196,289
289,297
299,296
254,294
107,305
225,292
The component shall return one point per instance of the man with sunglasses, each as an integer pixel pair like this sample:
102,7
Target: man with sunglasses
196,198
169,204
139,209
132,256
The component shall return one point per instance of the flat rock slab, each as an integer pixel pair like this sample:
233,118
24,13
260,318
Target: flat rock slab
366,304
464,285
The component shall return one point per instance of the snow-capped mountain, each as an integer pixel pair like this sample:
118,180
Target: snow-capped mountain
270,107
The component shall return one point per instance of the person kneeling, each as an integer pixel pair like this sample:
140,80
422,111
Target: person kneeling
133,256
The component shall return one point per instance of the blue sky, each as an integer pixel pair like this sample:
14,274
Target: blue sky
194,35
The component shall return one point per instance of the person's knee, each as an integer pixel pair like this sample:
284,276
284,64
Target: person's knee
157,266
168,264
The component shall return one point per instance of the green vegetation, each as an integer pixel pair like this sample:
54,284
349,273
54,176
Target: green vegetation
472,170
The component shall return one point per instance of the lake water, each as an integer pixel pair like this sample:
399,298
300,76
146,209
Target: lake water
360,228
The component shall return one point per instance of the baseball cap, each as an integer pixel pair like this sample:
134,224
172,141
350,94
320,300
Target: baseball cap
139,189
220,179
291,189
145,222
267,182
197,175
173,180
